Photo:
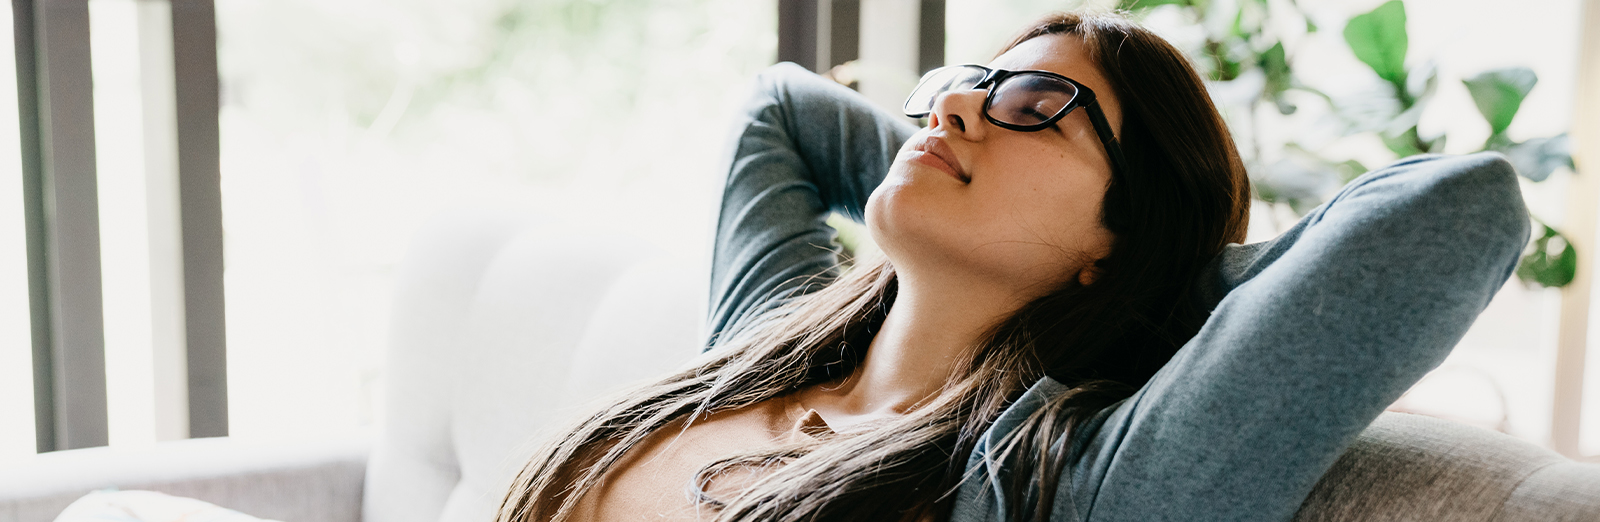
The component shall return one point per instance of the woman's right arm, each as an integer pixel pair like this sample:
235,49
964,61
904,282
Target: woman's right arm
803,147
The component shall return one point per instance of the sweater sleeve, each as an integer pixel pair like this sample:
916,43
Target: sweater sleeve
1313,335
803,147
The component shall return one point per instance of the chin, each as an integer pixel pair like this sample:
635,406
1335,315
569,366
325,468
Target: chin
882,226
918,235
905,225
874,220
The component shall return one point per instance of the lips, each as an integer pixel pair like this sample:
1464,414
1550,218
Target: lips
937,154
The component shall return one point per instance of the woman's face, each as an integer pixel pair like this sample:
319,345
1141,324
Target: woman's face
997,206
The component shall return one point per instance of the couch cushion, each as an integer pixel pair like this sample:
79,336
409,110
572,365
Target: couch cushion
1560,492
413,466
505,329
1412,467
554,319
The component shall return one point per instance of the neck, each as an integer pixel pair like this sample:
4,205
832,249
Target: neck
926,334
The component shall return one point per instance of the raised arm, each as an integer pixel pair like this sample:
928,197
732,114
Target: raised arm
803,147
1313,335
1318,332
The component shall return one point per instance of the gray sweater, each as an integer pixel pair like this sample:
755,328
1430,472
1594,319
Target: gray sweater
1312,334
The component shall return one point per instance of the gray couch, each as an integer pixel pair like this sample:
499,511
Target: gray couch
505,325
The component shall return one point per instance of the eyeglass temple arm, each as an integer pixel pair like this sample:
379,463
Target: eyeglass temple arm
1102,127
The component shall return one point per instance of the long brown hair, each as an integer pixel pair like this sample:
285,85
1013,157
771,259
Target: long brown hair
1182,197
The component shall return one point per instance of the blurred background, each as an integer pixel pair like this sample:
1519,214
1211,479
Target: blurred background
346,125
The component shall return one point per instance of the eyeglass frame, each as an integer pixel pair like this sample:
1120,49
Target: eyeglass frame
992,79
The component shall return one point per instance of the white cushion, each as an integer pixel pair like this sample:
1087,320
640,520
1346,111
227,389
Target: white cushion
147,506
504,329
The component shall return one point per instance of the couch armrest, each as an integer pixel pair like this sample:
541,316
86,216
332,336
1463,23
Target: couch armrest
300,482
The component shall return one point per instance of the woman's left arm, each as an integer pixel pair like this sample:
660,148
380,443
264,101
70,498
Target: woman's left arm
1318,332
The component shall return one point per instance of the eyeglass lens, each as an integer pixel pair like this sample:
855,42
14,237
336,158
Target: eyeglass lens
1030,99
940,81
1023,100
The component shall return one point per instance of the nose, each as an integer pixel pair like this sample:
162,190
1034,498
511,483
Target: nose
960,113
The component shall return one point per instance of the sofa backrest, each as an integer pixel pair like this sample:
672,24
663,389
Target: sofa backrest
506,326
1413,467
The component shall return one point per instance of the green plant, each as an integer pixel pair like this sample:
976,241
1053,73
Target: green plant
1242,50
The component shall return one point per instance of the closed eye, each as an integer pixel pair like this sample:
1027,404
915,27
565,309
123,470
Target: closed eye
1034,113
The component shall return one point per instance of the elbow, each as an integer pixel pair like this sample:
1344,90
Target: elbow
1473,200
775,81
1490,198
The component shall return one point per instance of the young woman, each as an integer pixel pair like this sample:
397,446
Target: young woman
1060,328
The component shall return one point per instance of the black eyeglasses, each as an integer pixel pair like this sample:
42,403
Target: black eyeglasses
1025,101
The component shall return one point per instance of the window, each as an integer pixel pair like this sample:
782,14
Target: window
347,125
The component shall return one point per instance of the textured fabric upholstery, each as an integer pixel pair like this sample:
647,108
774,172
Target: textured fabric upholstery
303,482
1562,491
1411,467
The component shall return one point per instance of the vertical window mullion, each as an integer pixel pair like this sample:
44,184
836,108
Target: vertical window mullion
930,38
1572,348
844,34
194,44
61,200
797,32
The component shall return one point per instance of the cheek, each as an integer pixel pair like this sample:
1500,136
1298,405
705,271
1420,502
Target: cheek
1044,221
1034,219
1063,215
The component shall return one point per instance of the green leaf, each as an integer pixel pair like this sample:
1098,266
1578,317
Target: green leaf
1499,143
1350,170
1499,93
1537,158
1223,67
1403,144
1276,64
1379,40
1552,263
